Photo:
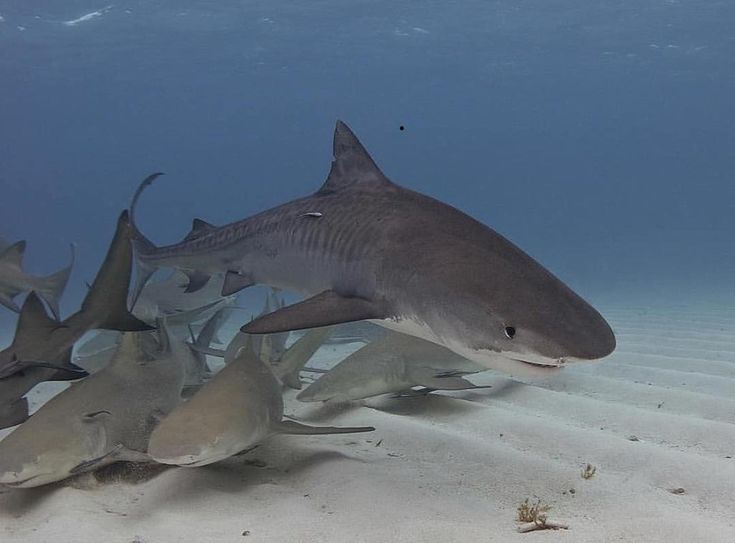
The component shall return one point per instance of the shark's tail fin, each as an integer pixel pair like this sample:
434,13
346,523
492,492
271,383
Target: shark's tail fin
295,428
143,246
51,287
107,299
298,354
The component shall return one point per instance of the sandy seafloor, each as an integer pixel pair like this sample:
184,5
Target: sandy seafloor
657,415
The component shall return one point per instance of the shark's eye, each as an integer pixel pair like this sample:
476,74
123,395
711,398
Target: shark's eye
510,332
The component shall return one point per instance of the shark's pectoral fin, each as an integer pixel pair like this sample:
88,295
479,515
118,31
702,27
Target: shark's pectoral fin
295,428
119,453
108,458
324,309
450,383
197,280
235,282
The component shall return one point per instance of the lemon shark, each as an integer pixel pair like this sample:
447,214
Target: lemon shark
41,347
14,280
237,410
365,248
105,418
395,363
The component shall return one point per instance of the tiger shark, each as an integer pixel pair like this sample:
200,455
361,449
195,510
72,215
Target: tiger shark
14,280
365,248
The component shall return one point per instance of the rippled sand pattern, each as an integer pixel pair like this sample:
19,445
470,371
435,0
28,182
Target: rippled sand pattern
657,420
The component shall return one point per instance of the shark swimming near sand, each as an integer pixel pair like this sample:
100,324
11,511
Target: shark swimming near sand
235,411
105,418
365,248
41,348
395,363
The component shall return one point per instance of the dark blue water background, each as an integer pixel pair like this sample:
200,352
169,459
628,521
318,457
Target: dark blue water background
597,135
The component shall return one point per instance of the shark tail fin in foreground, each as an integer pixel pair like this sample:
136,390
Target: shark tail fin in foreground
51,287
107,299
295,428
143,246
298,354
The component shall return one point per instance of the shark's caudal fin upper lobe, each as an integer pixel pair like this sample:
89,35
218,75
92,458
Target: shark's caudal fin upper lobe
143,246
51,287
107,299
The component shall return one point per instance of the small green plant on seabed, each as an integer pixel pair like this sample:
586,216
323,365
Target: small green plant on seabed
589,471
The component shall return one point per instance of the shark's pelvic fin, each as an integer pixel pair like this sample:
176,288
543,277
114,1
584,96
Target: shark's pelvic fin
235,282
324,309
197,280
295,428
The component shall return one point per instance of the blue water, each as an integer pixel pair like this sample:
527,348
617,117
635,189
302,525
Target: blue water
597,135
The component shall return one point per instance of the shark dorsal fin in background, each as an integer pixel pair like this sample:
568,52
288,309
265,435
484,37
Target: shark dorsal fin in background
106,301
14,254
34,319
198,227
352,165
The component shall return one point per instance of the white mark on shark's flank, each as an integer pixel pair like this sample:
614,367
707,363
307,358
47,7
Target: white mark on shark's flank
314,214
87,17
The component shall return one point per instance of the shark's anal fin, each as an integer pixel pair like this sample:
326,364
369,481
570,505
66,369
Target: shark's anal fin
295,428
324,309
235,282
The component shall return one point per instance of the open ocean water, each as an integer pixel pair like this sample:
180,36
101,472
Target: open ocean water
597,135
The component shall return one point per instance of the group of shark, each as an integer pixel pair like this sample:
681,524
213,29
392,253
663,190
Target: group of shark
450,297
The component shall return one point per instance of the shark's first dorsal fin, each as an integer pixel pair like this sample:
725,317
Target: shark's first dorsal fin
106,301
352,165
33,317
14,254
198,227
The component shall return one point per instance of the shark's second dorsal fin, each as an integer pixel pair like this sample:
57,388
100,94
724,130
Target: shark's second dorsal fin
352,165
198,228
13,255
